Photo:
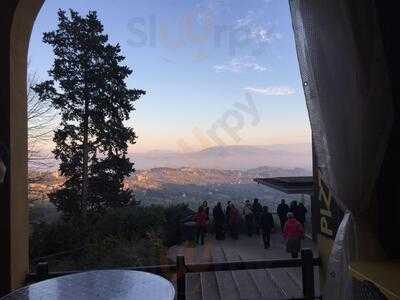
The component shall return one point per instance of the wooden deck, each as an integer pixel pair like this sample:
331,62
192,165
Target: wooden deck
283,283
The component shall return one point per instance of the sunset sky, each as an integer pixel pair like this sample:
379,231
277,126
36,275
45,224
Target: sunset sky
215,72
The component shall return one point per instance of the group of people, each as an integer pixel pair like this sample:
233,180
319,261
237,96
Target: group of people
292,219
257,220
298,210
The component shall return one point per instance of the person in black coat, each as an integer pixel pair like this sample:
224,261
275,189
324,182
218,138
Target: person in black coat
257,212
206,209
248,217
267,225
282,212
219,221
293,208
301,213
227,212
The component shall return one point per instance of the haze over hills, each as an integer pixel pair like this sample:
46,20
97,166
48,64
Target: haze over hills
213,174
234,157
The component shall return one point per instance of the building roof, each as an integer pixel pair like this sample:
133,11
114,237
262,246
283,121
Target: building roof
289,185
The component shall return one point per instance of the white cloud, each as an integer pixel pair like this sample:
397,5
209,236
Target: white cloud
237,65
253,27
272,90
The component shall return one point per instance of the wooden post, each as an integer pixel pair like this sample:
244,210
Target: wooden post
307,270
42,271
181,278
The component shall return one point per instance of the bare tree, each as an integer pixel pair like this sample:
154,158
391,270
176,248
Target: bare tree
41,124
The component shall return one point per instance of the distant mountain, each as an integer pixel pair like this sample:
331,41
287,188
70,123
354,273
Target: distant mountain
235,157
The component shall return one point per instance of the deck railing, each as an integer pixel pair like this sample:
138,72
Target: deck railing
306,262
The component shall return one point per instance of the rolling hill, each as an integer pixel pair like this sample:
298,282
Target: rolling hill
235,157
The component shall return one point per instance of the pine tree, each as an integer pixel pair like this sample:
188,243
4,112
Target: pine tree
88,87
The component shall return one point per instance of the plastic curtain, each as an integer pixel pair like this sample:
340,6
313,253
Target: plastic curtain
348,95
347,91
339,283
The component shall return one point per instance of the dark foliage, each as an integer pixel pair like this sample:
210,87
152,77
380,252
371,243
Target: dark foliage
172,233
130,236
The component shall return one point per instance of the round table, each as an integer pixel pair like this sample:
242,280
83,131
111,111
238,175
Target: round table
107,284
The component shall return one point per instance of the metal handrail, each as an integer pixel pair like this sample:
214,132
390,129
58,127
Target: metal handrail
306,262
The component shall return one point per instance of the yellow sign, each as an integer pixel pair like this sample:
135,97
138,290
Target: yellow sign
330,214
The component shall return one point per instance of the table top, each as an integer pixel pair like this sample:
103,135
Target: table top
104,284
383,274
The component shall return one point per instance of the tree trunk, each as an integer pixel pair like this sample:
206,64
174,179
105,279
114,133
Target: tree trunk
85,167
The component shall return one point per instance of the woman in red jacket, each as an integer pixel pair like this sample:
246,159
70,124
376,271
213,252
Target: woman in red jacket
201,221
293,231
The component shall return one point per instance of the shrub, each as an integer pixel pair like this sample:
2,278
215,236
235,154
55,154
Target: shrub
129,236
174,214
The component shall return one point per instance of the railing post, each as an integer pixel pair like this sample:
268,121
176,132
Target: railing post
42,271
307,270
181,277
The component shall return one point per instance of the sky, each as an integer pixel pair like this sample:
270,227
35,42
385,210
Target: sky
216,72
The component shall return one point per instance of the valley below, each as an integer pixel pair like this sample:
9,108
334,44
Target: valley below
169,186
216,174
